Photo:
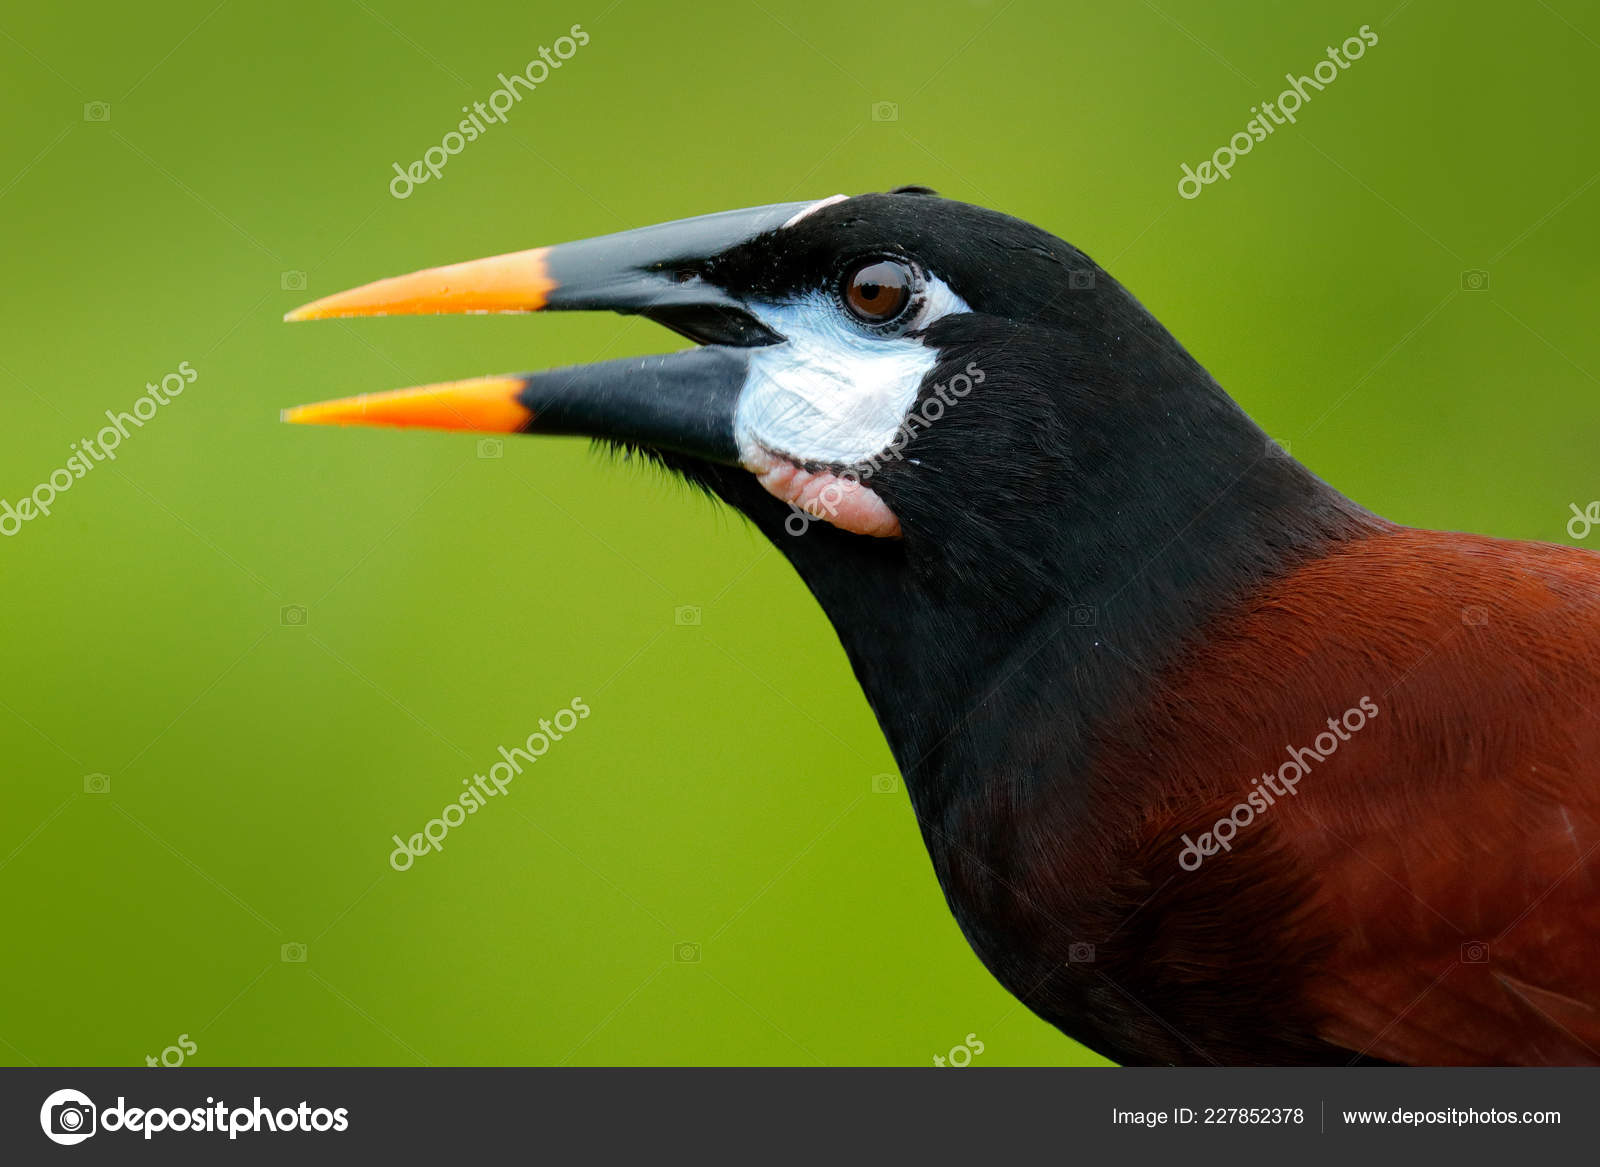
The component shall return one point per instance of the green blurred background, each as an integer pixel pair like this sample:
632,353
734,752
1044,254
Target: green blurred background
194,780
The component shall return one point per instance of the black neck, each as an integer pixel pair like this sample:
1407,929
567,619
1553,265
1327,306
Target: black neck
1063,620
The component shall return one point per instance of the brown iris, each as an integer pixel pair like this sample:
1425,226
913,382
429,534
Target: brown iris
877,290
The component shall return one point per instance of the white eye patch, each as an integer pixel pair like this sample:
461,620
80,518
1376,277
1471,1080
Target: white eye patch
831,392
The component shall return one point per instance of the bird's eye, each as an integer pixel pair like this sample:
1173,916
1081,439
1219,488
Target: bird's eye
876,291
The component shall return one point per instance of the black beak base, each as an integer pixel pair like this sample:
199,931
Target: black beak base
684,402
656,272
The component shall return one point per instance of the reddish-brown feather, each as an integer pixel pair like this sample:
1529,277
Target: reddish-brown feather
1463,822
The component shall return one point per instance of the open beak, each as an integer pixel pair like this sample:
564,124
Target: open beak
681,401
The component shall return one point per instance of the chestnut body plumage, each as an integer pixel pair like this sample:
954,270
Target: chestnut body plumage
1425,893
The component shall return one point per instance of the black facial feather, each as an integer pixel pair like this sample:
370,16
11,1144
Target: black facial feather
998,264
1051,497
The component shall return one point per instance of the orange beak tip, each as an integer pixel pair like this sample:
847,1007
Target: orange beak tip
517,282
301,415
485,405
306,415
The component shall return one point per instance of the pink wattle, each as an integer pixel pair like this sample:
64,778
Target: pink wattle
847,504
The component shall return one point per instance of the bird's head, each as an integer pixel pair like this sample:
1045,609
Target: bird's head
896,366
932,408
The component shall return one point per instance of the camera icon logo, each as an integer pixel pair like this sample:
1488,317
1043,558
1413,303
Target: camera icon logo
292,953
1080,281
1474,280
293,281
67,1117
1080,953
1475,952
97,784
686,953
1475,615
292,616
491,448
884,784
1084,615
686,616
96,111
885,111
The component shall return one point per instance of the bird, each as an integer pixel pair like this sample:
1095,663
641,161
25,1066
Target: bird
1213,764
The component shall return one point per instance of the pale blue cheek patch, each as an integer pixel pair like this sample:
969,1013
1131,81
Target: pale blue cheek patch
831,392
